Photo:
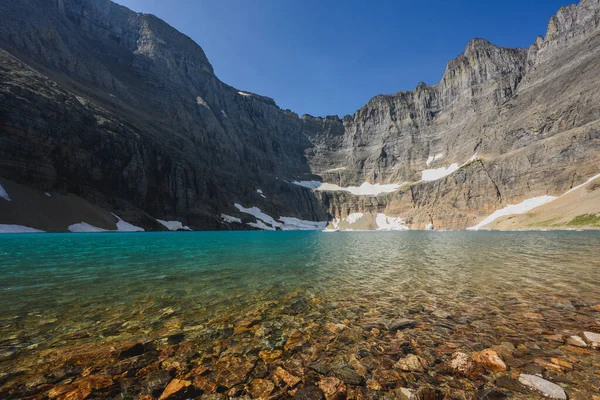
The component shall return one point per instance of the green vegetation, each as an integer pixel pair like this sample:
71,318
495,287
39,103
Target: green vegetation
585,220
550,223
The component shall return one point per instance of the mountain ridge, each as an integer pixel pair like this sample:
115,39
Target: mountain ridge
141,125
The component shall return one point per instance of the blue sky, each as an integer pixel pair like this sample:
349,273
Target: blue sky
330,57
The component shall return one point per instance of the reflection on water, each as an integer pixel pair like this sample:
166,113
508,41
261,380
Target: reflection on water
459,287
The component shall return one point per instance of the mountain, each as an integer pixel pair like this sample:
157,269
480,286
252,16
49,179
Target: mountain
105,112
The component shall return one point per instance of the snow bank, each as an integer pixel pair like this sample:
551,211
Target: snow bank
593,178
385,223
515,209
266,222
3,194
434,158
229,219
295,224
173,225
261,225
352,218
18,229
430,175
336,169
123,226
84,227
259,215
366,189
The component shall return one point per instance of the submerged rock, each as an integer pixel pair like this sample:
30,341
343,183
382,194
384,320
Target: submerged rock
463,364
546,388
175,388
411,363
592,338
576,341
401,324
333,388
490,360
309,393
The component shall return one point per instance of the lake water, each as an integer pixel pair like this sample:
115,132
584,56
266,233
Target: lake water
239,305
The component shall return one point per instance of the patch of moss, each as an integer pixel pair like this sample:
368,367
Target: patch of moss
585,220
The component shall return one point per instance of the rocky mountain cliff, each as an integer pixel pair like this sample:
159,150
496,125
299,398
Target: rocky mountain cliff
123,111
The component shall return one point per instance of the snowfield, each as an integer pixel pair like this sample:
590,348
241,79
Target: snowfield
430,175
4,194
366,189
385,223
514,209
84,227
4,228
230,220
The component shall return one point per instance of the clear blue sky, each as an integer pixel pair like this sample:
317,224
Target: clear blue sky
330,57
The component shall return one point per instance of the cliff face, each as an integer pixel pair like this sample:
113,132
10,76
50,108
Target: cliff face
529,118
124,111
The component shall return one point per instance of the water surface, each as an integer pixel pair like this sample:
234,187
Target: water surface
470,289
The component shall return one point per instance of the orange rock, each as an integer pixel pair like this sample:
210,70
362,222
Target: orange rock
548,365
95,382
578,350
562,363
490,360
268,356
288,378
78,394
333,388
175,387
261,388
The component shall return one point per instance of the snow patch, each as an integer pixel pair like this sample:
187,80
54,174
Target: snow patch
201,102
259,191
258,214
515,209
593,178
336,169
173,225
473,158
4,194
18,229
261,225
295,224
123,226
434,158
48,194
245,94
352,218
430,175
366,189
266,222
385,223
84,227
230,220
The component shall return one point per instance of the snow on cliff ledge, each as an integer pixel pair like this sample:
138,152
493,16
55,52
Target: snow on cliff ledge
366,189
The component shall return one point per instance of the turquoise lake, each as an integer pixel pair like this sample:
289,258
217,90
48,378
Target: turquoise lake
65,291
